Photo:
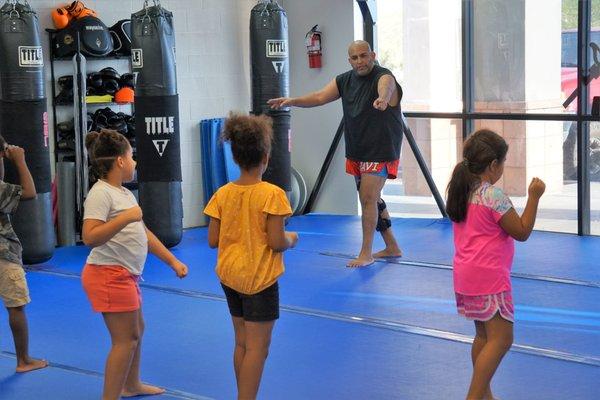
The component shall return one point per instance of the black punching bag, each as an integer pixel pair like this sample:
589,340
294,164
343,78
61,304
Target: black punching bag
157,122
271,78
24,122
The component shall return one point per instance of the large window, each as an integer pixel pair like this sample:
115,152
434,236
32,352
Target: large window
420,41
517,48
536,150
440,142
508,65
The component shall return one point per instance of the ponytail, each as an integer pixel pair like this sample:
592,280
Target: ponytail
479,151
460,189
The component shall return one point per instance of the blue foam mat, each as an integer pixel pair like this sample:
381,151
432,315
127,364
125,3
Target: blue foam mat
399,294
354,358
188,346
545,312
60,382
430,240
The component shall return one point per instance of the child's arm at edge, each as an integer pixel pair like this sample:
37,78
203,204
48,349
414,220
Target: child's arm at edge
16,154
520,227
214,229
277,238
156,247
96,232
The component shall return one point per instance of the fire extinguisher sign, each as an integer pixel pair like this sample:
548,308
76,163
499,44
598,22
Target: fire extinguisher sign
277,48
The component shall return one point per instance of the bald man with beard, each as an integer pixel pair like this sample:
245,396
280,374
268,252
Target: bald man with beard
373,135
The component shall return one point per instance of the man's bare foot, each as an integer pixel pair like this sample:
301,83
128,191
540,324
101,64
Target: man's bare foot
388,253
142,390
360,262
31,365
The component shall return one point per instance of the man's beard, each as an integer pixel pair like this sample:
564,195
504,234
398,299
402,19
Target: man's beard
366,71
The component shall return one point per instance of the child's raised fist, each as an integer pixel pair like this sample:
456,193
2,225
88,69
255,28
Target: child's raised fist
536,188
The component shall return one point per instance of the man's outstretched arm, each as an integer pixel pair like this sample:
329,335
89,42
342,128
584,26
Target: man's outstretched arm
326,95
386,88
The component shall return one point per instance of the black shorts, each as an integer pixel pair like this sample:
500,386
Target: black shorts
258,307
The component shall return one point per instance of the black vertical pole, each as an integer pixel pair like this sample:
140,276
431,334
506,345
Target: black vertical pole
583,178
53,91
80,118
467,66
368,23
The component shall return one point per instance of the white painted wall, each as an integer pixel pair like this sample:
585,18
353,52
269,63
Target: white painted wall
313,129
213,77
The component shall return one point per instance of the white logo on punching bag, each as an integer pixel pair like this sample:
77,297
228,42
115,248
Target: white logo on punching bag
160,126
160,146
30,56
278,65
277,48
137,59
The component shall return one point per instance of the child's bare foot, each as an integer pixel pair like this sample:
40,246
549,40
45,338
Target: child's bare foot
31,365
388,252
361,261
142,390
489,395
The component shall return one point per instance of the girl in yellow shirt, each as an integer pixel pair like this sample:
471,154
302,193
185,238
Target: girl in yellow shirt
247,225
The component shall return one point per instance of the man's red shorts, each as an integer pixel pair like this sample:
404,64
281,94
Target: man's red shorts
387,169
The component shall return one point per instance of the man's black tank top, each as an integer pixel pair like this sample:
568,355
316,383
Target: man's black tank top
370,134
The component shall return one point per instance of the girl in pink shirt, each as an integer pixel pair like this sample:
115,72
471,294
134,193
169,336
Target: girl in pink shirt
485,224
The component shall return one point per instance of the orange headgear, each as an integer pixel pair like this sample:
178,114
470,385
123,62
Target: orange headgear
63,16
124,95
78,10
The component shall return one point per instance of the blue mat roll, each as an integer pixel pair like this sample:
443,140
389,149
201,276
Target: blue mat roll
204,159
232,170
217,158
218,165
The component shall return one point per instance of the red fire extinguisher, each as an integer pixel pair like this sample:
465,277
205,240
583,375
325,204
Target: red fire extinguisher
313,47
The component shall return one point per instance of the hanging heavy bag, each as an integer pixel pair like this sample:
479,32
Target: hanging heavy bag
24,122
157,122
270,79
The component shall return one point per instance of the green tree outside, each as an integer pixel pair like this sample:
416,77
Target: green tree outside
569,14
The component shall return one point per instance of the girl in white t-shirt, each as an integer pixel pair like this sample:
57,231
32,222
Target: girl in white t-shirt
114,229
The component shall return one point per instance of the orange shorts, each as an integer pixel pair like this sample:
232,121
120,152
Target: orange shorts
111,288
388,169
